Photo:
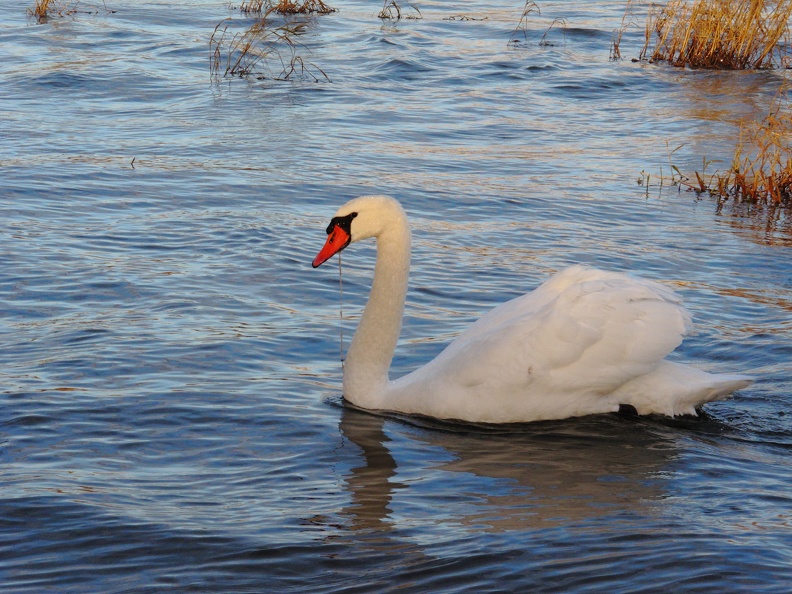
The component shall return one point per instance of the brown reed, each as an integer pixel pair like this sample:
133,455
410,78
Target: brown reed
761,169
392,11
628,20
286,6
253,51
43,9
521,29
729,34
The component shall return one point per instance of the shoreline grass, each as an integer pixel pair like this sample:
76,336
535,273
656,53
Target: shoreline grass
722,34
761,169
761,166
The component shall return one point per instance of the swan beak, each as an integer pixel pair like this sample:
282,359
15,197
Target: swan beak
337,240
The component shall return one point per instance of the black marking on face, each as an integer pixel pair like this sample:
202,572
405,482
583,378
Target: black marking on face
345,223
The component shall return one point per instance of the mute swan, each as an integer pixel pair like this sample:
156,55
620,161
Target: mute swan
586,341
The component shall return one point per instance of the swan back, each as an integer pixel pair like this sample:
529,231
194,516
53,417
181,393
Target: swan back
559,351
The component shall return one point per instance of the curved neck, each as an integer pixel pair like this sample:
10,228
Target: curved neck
370,354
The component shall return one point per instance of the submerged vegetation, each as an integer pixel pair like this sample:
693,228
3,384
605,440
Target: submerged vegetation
286,6
392,11
761,169
520,33
521,30
45,9
253,51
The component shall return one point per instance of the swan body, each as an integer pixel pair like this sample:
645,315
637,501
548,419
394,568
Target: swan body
585,342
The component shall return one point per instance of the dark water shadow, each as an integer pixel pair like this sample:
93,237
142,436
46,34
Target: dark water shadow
516,476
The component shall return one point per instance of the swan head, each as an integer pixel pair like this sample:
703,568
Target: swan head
360,218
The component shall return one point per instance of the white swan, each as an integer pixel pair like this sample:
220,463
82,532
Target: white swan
584,342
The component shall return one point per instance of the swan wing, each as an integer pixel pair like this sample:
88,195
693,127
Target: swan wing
559,351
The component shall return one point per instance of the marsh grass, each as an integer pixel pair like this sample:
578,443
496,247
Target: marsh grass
629,20
520,34
285,7
761,169
41,9
521,30
45,9
392,11
728,34
268,42
253,52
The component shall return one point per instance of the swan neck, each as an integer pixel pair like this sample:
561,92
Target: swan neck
372,348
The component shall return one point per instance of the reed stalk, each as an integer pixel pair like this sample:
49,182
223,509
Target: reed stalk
43,9
286,6
521,30
727,34
391,10
761,167
254,51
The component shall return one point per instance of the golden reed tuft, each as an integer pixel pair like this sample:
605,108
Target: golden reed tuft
761,170
729,34
286,6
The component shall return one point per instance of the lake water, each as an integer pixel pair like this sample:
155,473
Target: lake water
171,414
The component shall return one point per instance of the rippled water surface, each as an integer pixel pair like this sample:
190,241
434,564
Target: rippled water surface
171,412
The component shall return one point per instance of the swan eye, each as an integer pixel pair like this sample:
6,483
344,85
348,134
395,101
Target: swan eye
344,222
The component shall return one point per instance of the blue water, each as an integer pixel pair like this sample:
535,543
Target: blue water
170,408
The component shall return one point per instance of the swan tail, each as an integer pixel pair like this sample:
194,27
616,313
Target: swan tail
673,389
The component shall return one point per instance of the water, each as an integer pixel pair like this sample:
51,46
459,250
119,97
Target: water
171,415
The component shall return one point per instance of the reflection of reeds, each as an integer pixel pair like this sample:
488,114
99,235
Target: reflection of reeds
253,51
735,34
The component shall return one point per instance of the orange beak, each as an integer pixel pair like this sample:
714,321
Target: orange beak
337,240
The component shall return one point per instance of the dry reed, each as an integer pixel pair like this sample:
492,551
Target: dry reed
286,6
392,11
253,51
628,20
522,26
43,9
730,34
761,169
521,30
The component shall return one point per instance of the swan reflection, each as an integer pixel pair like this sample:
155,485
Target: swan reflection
514,478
